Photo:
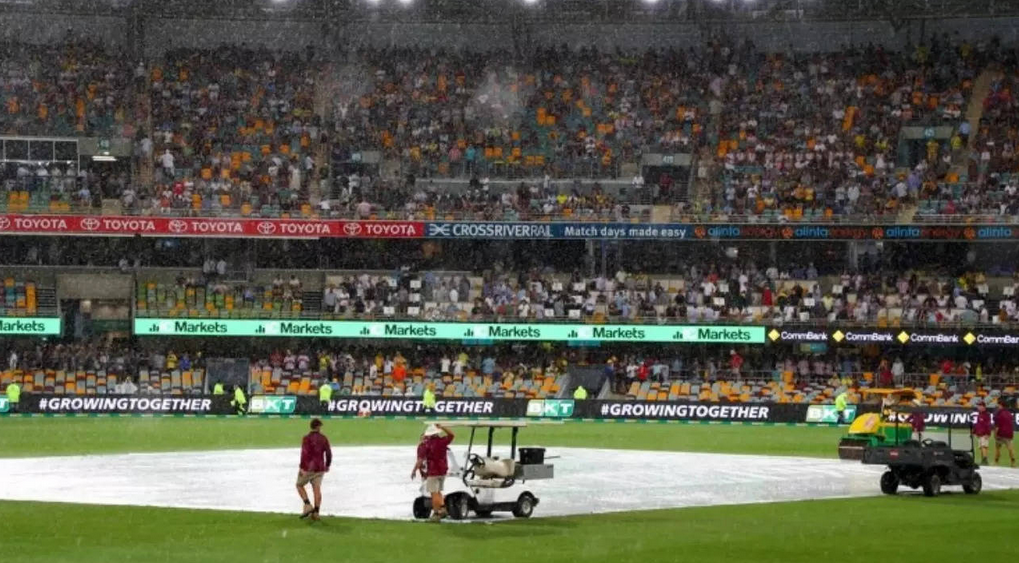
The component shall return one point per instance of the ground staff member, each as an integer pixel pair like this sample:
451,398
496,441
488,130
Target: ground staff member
580,394
325,394
316,459
1004,430
240,402
982,431
432,465
13,396
218,389
429,399
841,402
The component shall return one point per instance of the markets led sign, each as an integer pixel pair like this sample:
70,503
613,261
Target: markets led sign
41,326
452,331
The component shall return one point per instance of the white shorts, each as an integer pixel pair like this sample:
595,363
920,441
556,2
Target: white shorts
434,484
984,441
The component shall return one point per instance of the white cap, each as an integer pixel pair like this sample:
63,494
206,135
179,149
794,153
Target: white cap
432,430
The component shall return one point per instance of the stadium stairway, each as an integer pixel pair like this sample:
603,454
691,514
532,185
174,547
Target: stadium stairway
325,86
975,111
144,172
47,301
312,302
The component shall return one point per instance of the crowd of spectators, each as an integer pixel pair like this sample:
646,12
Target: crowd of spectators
779,135
622,367
697,292
231,126
66,89
818,135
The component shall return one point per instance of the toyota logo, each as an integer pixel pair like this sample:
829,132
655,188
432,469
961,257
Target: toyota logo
178,226
352,229
266,228
90,223
5,223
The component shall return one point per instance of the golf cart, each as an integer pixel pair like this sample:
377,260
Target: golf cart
929,464
876,428
489,483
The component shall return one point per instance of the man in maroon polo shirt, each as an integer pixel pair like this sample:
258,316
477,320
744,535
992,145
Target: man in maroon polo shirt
982,431
316,457
432,465
1004,430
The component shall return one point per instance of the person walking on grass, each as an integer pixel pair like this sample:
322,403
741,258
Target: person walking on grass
982,431
1004,430
316,458
432,464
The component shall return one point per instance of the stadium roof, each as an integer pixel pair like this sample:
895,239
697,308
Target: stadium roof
500,10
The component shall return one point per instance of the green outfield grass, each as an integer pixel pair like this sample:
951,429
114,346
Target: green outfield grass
903,529
36,436
907,528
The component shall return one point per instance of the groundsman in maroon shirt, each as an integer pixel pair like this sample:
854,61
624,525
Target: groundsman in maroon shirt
316,458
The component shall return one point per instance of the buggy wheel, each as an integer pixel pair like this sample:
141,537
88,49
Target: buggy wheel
525,506
889,483
973,485
932,485
421,508
458,505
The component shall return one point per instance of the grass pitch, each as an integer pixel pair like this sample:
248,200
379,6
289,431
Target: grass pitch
906,528
25,437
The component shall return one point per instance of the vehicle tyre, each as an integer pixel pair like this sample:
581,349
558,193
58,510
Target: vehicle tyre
525,506
932,485
458,505
974,485
889,483
421,508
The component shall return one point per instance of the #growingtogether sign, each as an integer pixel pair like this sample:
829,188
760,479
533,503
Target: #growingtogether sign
452,331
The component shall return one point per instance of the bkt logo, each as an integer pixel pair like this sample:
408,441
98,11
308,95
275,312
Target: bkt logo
90,224
266,228
550,408
4,404
284,404
440,229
